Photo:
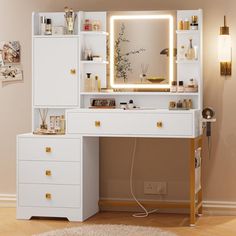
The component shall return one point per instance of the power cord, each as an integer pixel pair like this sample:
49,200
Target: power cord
146,212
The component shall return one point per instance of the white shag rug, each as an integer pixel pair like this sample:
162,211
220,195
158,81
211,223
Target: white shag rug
108,230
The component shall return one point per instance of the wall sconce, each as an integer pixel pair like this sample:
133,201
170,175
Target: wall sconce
224,50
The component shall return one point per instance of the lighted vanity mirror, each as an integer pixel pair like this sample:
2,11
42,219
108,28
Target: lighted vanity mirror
141,49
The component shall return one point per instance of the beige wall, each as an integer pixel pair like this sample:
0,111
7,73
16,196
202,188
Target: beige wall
155,159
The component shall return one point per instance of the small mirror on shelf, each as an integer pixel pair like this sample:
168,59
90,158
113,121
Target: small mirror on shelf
142,49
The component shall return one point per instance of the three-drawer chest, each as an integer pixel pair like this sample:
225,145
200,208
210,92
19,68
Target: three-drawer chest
51,173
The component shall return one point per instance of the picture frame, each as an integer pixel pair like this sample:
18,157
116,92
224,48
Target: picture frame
103,103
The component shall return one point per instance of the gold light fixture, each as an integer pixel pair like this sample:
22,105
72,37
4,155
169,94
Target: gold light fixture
224,50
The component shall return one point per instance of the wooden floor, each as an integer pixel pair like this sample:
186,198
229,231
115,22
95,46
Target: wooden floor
206,225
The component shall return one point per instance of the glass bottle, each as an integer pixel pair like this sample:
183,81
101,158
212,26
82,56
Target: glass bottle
173,88
48,27
181,87
182,53
190,51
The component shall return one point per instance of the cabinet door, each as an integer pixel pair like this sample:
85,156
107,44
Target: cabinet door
54,71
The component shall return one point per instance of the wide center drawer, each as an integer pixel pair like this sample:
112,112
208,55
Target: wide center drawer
50,149
128,123
36,195
45,172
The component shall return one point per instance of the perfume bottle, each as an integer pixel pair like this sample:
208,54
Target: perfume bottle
194,23
42,25
88,83
182,53
173,88
181,87
48,28
190,51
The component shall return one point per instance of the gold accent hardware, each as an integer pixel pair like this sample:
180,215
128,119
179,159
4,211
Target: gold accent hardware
159,124
48,149
73,71
48,173
97,123
48,196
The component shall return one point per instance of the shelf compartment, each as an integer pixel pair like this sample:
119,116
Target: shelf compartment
94,33
187,32
93,62
137,93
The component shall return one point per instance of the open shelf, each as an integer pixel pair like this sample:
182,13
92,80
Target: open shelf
137,93
93,33
56,36
93,62
187,31
187,61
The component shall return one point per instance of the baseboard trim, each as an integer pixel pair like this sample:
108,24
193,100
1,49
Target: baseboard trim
219,208
209,207
127,204
7,200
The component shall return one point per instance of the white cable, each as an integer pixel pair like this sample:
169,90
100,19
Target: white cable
145,213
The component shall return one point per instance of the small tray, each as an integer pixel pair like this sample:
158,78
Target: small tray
47,133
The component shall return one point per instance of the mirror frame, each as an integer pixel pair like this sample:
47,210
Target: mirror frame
113,18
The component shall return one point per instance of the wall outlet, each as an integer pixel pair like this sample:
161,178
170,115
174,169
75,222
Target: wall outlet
159,188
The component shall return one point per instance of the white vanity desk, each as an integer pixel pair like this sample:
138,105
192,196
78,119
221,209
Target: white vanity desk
159,123
58,175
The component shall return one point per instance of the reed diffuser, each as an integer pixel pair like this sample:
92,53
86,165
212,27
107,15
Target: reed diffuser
43,115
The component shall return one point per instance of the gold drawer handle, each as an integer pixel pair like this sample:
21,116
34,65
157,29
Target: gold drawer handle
73,71
48,149
97,123
48,196
159,124
48,173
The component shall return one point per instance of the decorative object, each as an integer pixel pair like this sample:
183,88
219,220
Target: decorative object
11,73
155,79
88,55
122,63
58,30
96,25
43,115
9,52
108,230
103,103
87,25
144,69
224,50
70,17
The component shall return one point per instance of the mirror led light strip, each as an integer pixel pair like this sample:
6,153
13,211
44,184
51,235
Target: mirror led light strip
171,50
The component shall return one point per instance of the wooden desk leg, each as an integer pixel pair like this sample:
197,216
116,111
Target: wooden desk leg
192,183
199,196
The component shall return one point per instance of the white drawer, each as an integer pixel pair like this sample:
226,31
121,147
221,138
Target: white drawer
50,149
44,172
130,123
36,195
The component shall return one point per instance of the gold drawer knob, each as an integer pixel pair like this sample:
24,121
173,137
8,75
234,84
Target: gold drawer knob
48,149
73,71
97,123
159,124
48,196
48,173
